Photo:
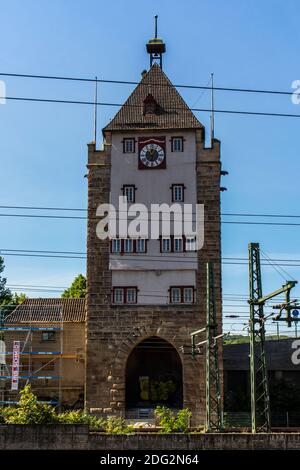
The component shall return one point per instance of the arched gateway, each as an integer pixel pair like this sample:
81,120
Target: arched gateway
153,377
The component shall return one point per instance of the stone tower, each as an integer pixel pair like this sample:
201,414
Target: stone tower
145,296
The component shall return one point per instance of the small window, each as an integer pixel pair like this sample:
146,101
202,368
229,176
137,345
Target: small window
190,244
182,294
188,294
175,295
129,192
124,295
166,245
141,245
118,295
178,245
48,335
131,295
116,245
128,245
129,145
177,144
177,192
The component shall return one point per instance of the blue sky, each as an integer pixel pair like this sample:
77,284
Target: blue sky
43,146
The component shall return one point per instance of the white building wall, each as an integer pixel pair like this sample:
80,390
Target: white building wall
153,187
153,286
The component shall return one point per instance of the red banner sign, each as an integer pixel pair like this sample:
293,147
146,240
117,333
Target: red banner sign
15,366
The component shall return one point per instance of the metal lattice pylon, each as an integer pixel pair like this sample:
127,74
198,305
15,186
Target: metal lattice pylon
260,400
213,388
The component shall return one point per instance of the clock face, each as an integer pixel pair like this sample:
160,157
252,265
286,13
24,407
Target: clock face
152,154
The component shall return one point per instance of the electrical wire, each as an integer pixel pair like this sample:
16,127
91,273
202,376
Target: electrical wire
66,217
119,105
228,214
126,82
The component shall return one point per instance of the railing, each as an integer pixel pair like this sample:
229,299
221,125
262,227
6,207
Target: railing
280,419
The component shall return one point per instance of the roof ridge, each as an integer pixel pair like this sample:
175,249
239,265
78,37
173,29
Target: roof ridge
176,113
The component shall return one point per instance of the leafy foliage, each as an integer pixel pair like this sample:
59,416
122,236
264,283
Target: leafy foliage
29,411
14,299
80,417
117,425
77,290
156,390
173,422
5,293
242,339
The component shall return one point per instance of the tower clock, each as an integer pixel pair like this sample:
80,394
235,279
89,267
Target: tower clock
152,153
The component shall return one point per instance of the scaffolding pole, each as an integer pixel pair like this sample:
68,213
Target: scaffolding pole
29,351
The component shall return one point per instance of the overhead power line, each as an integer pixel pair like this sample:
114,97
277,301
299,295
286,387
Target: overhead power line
81,209
74,217
45,208
127,82
202,110
142,257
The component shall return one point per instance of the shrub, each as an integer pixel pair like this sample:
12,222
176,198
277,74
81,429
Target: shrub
29,411
117,425
173,422
80,417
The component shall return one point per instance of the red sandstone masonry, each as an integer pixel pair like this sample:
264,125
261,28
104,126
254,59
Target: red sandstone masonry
112,332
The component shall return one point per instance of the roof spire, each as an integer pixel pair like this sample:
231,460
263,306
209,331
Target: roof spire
156,47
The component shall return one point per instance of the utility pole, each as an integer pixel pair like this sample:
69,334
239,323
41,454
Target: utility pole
212,116
260,399
213,388
213,420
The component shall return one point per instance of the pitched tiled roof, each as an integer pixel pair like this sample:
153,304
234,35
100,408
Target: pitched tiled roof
48,310
174,112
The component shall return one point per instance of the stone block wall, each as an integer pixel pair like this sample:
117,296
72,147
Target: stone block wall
113,331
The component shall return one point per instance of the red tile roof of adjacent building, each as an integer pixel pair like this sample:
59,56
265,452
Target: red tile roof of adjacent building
173,113
48,311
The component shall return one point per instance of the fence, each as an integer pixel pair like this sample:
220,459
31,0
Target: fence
284,419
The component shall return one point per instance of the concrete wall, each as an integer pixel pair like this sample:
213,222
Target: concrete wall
68,437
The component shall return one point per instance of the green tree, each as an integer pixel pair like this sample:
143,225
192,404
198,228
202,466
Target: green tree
5,293
77,290
29,410
14,299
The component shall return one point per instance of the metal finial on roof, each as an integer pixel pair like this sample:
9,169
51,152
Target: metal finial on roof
156,47
155,30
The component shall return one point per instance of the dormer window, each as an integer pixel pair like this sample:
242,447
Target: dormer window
150,105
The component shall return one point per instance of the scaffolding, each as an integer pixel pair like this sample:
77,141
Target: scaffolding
38,360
